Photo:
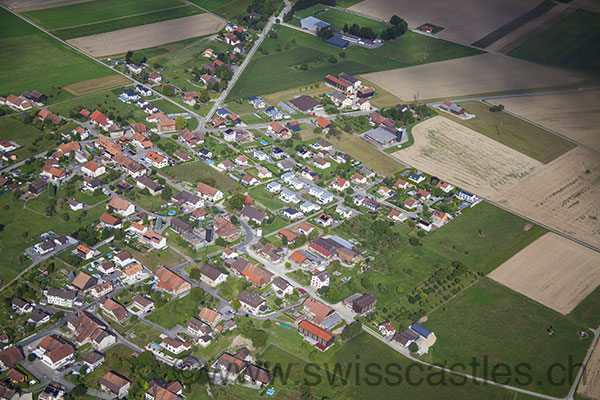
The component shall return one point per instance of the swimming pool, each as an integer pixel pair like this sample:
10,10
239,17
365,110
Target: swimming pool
263,142
155,347
171,212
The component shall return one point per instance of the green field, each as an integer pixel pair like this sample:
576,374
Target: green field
200,171
483,237
228,9
367,154
127,22
48,62
267,199
95,11
489,320
175,312
338,18
514,132
31,139
588,311
283,66
23,227
167,107
573,43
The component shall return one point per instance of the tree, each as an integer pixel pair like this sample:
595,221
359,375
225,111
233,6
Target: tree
221,242
180,122
236,304
51,190
413,241
168,90
31,357
284,240
345,28
413,348
236,201
166,193
204,96
195,274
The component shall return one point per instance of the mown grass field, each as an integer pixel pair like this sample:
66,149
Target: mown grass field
175,312
37,61
588,311
196,171
127,22
489,320
267,199
367,154
283,66
95,11
514,132
573,43
168,107
483,237
23,227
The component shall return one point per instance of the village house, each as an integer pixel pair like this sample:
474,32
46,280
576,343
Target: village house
121,206
55,352
142,303
251,302
110,221
156,159
211,275
93,169
153,239
60,297
113,309
340,184
133,273
208,192
315,335
320,280
143,182
170,282
115,384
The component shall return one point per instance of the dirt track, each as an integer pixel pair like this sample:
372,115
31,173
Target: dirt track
554,271
562,194
141,37
484,73
590,386
466,158
574,115
465,21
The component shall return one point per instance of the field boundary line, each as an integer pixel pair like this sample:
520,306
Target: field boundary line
115,19
571,140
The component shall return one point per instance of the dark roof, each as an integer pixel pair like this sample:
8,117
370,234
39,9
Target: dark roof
304,103
338,42
64,294
93,357
210,271
252,213
149,183
348,78
364,300
250,299
420,329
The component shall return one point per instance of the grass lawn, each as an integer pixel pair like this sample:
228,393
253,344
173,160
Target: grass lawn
89,198
155,258
232,287
49,63
142,332
338,18
588,311
483,237
25,228
514,132
112,362
31,139
367,154
199,170
251,119
95,11
127,22
489,320
167,107
274,226
283,66
96,84
175,312
267,199
573,43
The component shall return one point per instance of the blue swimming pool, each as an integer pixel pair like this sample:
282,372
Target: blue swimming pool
171,212
155,347
263,142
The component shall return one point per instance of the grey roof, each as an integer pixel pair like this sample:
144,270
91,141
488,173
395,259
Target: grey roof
332,320
254,214
280,283
341,242
149,183
382,134
313,24
348,78
64,294
286,108
338,42
93,357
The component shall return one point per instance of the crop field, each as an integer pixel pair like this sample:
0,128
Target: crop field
463,21
96,84
590,386
465,158
126,22
471,237
513,132
49,63
367,154
297,48
489,320
562,195
573,43
200,171
228,9
574,115
88,12
141,37
485,73
554,271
